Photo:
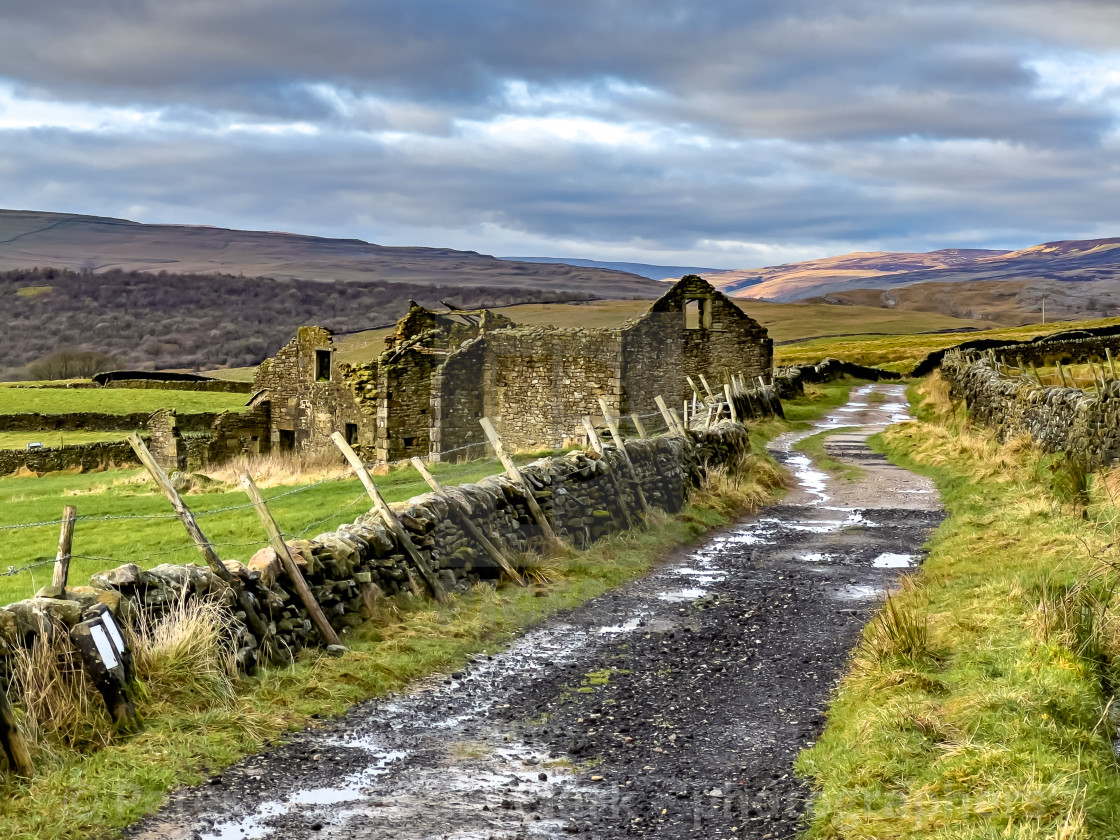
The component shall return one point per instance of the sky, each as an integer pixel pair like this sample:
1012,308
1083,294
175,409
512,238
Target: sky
724,134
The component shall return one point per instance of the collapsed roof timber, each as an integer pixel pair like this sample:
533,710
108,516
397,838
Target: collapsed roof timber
441,372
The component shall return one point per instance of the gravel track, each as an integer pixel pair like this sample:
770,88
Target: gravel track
672,707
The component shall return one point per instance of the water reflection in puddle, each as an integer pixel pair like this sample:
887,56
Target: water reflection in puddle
888,560
677,595
625,627
860,592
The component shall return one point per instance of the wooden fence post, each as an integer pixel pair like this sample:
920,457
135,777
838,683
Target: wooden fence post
65,545
256,625
515,474
11,740
666,416
390,519
679,422
616,436
639,427
731,404
597,445
708,388
496,554
276,540
1111,363
696,395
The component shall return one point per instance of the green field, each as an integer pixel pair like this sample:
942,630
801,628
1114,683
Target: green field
902,352
19,440
114,401
155,536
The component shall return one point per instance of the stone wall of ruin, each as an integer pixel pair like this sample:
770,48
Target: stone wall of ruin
659,349
307,408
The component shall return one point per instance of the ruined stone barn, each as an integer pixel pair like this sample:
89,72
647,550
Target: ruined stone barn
442,371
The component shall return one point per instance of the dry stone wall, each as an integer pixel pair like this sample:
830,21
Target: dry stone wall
1057,419
217,386
96,422
348,568
87,456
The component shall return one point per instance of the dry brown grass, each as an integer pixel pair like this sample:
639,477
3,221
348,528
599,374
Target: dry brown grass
187,655
61,708
280,468
744,485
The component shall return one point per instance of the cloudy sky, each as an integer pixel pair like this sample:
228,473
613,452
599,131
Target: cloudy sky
727,134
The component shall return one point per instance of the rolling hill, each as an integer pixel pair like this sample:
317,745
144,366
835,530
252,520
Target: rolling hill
653,272
95,244
1067,261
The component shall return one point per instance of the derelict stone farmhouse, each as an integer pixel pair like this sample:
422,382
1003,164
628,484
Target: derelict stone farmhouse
441,372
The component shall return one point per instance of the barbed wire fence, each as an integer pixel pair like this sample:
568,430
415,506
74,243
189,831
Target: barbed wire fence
337,514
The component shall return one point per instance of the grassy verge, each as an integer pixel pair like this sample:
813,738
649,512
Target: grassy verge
967,711
193,733
813,446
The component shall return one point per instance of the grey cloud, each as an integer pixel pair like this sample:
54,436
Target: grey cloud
828,123
805,68
676,198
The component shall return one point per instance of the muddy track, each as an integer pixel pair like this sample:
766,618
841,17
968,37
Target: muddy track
672,707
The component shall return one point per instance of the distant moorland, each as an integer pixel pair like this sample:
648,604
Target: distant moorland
194,321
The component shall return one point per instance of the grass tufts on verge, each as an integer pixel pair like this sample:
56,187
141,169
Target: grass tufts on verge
977,704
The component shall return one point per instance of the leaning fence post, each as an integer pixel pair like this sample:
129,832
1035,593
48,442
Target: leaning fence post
65,545
639,426
597,445
707,387
495,553
695,391
276,539
11,739
515,475
612,424
674,428
1111,363
679,422
731,404
390,519
256,625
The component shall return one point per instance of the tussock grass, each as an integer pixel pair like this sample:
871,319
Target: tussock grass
976,705
61,710
900,629
187,655
742,486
